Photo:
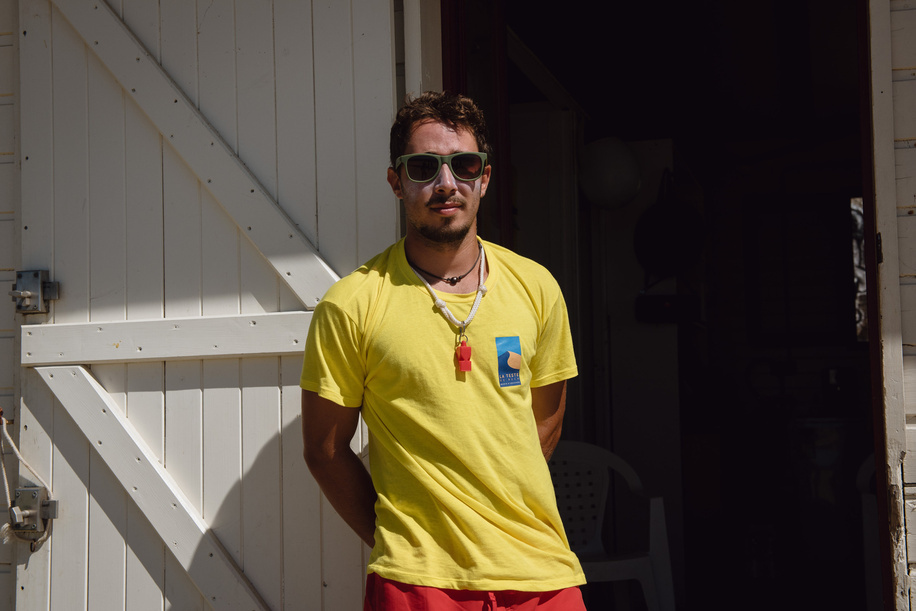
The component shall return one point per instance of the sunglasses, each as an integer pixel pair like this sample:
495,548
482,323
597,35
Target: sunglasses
424,167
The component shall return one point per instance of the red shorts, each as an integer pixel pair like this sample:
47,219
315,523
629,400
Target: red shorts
386,595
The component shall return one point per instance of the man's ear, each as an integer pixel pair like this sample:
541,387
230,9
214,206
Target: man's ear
484,180
395,181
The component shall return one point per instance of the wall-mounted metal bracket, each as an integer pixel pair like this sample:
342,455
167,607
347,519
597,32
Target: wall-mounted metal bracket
33,291
32,511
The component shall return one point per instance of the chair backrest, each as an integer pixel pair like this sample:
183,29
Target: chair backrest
581,481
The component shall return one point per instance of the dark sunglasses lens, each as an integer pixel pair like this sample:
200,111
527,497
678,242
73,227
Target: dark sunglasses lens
467,167
422,167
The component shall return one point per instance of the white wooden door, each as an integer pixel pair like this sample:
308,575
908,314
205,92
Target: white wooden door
183,164
892,42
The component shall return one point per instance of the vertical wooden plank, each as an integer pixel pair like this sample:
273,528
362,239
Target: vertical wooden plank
343,571
145,563
301,497
216,67
144,217
219,237
70,544
182,280
296,153
9,256
259,285
181,192
145,300
107,274
295,123
36,430
334,134
36,114
183,449
106,214
184,461
69,558
257,126
178,33
71,192
222,398
257,139
222,453
373,79
35,409
145,551
220,285
144,402
180,592
182,232
107,514
142,18
262,535
7,583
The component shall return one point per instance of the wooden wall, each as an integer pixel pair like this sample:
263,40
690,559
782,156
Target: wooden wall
9,205
303,93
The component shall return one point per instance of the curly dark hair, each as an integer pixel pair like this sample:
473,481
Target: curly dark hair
454,110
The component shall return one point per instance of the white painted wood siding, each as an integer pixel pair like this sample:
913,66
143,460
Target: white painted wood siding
9,255
151,227
893,92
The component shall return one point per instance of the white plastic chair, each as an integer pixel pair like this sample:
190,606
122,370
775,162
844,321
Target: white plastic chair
581,475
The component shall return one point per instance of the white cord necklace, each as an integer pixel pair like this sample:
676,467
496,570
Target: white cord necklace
462,352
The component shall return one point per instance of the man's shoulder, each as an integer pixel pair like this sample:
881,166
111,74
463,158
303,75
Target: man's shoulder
365,280
525,270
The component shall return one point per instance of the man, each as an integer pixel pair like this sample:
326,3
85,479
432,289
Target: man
456,352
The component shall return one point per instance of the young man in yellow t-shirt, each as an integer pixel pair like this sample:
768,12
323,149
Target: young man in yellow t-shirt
456,351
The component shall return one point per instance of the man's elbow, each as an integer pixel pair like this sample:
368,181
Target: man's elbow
327,459
317,457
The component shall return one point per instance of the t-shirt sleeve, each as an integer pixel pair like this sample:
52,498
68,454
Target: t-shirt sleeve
554,359
333,366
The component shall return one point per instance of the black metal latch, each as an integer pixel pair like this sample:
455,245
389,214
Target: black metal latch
33,291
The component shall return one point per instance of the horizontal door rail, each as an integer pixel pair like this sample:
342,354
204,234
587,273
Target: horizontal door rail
133,341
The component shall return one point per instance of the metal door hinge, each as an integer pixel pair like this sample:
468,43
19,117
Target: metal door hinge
33,291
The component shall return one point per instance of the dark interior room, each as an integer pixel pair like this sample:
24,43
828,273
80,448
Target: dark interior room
715,284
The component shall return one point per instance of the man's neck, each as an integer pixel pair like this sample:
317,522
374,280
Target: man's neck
446,261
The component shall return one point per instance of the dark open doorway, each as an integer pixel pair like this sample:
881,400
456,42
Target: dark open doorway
748,404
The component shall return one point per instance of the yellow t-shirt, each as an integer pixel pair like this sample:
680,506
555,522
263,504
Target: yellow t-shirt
465,499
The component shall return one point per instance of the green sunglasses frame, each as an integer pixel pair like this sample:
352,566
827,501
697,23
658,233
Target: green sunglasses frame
443,159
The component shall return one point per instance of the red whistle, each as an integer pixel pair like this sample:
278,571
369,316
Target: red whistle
464,356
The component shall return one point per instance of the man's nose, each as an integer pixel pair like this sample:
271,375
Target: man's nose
445,181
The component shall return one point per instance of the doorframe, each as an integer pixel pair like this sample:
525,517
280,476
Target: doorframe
882,278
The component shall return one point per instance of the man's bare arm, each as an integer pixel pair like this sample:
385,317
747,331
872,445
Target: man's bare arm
327,429
549,405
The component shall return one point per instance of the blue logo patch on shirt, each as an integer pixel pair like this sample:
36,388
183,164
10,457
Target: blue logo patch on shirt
509,355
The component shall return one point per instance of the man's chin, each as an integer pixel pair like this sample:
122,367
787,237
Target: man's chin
445,235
